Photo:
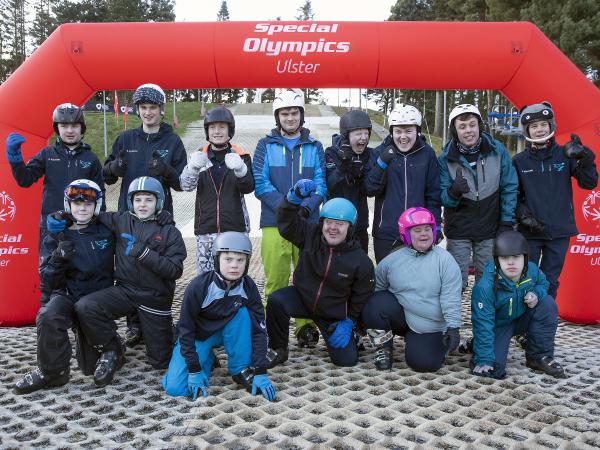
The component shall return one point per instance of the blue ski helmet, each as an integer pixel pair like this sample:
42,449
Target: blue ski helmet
146,184
339,209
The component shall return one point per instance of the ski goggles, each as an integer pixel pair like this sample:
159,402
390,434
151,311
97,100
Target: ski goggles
81,193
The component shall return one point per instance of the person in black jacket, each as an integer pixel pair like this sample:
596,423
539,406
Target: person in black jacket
404,173
221,307
333,280
221,173
346,162
545,201
74,263
149,258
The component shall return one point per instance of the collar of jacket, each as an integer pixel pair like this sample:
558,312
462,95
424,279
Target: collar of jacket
162,129
81,146
487,147
222,284
419,144
305,137
148,219
236,148
542,152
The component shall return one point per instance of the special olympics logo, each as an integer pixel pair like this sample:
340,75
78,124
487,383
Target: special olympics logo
591,207
7,207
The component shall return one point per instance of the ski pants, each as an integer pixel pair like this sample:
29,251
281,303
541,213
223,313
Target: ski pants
461,250
98,311
204,256
235,337
286,303
550,256
424,352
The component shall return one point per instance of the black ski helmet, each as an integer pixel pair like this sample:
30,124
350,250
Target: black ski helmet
510,243
220,114
354,120
68,113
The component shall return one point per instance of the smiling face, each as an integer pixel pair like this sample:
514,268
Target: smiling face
232,265
144,204
512,266
150,115
359,139
70,133
82,210
289,118
467,129
218,134
421,237
404,137
335,231
539,129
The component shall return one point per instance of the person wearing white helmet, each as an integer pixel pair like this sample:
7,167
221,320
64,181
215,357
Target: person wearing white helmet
287,154
479,190
75,262
403,174
547,168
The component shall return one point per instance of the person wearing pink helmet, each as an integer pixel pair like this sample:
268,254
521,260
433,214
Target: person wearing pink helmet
417,296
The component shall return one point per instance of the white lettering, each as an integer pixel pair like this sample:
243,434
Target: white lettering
271,29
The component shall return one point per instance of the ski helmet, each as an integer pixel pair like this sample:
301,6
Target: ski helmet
288,98
535,113
339,209
458,111
220,114
68,113
510,243
232,241
146,184
354,120
413,217
405,115
83,190
149,93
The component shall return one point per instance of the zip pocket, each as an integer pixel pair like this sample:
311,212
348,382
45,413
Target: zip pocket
510,307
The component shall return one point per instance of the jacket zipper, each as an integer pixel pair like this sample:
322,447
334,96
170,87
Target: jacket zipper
381,213
323,280
218,192
405,183
510,307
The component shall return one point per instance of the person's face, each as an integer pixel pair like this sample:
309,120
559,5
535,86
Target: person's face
467,131
232,265
539,129
335,231
359,139
150,114
82,211
512,266
218,134
404,136
421,237
289,118
144,204
70,133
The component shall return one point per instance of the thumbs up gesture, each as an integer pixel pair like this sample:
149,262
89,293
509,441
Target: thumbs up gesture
459,186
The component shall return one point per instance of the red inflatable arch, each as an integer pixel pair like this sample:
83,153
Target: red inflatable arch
80,59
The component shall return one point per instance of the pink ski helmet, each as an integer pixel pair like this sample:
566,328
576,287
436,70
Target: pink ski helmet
413,217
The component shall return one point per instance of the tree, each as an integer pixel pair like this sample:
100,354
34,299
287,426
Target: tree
305,12
13,40
44,22
223,14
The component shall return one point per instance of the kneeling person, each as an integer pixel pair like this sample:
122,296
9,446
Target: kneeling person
512,298
333,279
221,307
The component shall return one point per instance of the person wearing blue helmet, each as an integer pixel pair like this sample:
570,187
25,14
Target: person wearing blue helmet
149,255
333,280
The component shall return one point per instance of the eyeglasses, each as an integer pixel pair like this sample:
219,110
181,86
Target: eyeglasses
87,194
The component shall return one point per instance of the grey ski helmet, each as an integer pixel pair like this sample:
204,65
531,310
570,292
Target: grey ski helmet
232,241
68,113
535,113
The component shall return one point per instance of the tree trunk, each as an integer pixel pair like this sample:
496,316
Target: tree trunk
438,127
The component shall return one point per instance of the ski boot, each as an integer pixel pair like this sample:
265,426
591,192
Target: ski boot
382,340
245,378
465,346
37,380
133,334
546,365
110,361
307,336
277,356
521,340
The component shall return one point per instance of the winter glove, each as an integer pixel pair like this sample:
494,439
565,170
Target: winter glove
439,236
58,221
158,168
198,161
345,151
13,148
531,299
356,169
235,162
64,252
118,166
452,339
301,190
526,219
341,335
164,217
263,384
505,226
574,149
459,186
305,209
386,157
198,381
483,370
134,249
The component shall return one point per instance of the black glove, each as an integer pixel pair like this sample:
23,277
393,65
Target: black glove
64,252
118,167
304,210
356,169
345,151
164,217
526,219
158,168
387,155
459,186
505,226
574,149
452,339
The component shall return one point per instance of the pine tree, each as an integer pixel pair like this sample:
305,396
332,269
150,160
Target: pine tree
44,22
223,14
305,12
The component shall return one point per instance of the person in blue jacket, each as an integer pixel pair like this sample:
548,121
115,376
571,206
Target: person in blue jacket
510,299
403,174
347,161
74,263
479,190
545,203
221,307
287,154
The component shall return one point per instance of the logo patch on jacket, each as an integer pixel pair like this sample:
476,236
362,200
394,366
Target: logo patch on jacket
102,244
157,238
85,164
559,166
343,275
480,305
163,153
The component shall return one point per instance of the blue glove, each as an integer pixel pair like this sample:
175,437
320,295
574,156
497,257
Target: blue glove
13,148
198,381
57,222
262,383
302,189
341,335
130,241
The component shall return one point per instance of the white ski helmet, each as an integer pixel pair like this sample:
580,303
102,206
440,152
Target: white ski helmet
405,114
83,190
149,93
288,98
459,110
535,113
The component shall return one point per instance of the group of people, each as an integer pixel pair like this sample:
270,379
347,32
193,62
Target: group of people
98,266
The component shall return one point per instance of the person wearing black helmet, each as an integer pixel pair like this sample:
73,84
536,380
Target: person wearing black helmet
75,262
546,169
221,173
333,280
346,162
512,298
67,159
221,307
148,260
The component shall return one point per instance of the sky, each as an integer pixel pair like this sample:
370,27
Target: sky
257,10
